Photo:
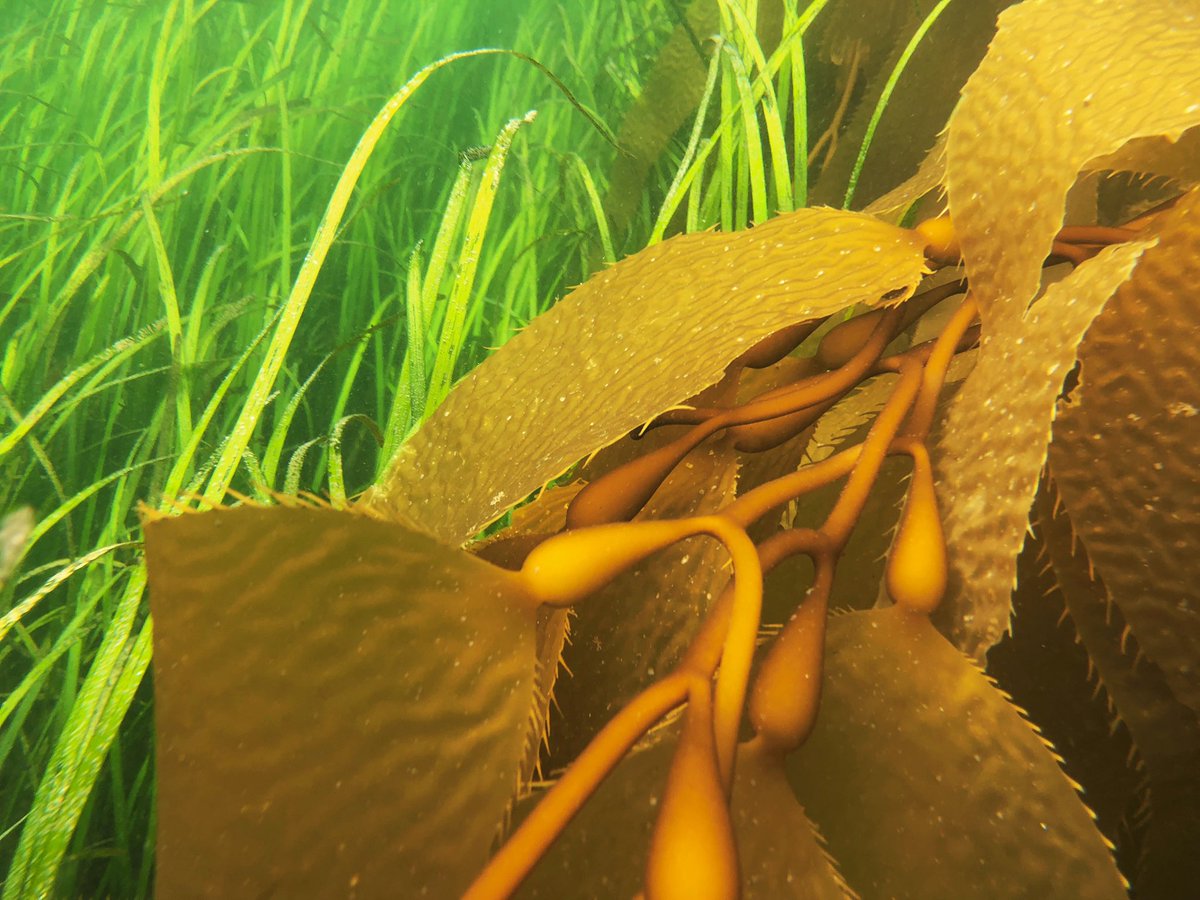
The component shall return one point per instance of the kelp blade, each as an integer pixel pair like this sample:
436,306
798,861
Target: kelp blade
1125,455
1165,732
926,782
1054,93
994,442
1063,82
635,339
341,705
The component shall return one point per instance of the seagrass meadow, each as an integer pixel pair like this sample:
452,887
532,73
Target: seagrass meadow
727,448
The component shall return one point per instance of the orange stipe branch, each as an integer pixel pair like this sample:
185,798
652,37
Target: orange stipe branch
934,376
849,505
755,503
534,836
619,494
568,567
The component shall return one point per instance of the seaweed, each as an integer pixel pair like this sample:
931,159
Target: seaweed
702,450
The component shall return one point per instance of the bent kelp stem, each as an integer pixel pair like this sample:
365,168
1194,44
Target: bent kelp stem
569,567
534,836
619,494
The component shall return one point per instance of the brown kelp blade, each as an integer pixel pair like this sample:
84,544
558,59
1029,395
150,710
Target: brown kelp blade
1054,93
1125,454
994,442
603,852
1064,82
341,705
1165,732
634,340
926,781
544,515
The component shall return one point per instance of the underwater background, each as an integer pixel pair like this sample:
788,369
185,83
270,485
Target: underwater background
226,277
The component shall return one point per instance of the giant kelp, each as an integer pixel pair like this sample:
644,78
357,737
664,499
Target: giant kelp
863,753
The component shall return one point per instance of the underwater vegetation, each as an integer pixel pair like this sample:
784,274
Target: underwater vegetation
862,753
721,577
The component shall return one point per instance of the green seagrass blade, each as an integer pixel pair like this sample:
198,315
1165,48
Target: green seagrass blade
342,705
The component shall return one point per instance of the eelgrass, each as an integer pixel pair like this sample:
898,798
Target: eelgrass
204,286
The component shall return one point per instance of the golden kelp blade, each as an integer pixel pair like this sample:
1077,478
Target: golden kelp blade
602,853
994,442
930,175
1166,734
341,705
1126,456
926,782
1175,159
634,340
1063,82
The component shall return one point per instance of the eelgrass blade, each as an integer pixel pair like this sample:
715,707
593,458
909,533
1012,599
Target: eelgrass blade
115,353
798,79
450,340
780,174
183,462
408,398
313,261
337,480
22,608
439,253
881,104
80,750
166,289
295,466
691,182
686,171
270,461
